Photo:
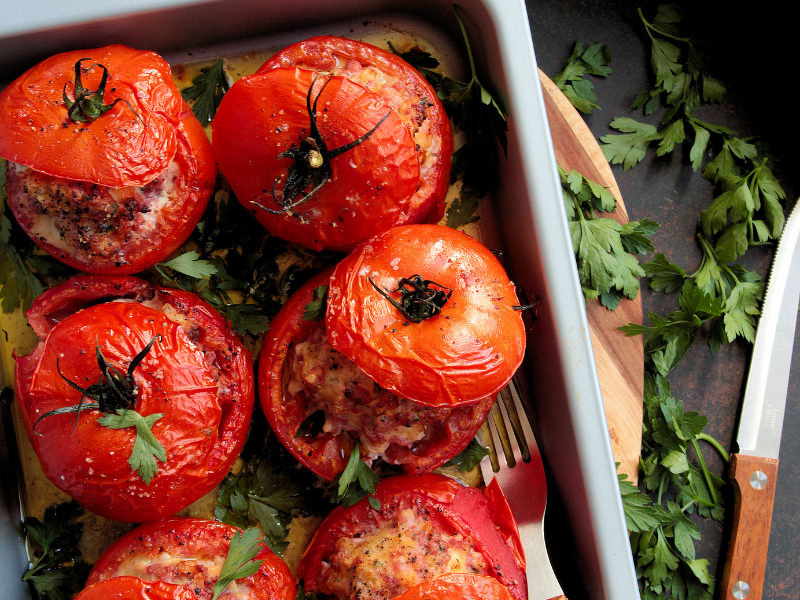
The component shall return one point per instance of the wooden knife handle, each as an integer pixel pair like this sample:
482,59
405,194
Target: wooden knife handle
754,481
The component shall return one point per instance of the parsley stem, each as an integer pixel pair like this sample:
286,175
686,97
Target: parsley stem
711,487
466,42
648,26
717,446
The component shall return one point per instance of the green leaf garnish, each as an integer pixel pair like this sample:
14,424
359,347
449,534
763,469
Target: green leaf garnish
146,448
315,310
462,211
206,91
591,61
469,458
190,263
356,471
57,569
241,559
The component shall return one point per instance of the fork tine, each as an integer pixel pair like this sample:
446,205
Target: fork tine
505,441
512,411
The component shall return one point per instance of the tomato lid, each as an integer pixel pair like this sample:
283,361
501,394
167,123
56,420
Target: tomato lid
369,186
466,352
129,145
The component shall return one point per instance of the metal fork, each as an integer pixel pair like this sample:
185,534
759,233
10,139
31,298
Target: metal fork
515,462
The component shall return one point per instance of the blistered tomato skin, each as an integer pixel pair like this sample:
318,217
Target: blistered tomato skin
370,185
109,196
197,375
458,585
400,86
133,588
467,352
442,506
116,149
190,552
348,416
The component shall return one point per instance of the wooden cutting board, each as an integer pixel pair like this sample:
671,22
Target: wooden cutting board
620,359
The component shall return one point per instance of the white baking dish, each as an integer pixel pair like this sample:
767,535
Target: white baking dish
585,522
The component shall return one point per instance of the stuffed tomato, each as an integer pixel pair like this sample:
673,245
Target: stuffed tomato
427,526
410,393
190,552
333,141
108,169
137,399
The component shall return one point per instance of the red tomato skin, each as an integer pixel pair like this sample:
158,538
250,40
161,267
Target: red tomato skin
185,538
449,504
326,454
417,103
463,586
370,186
467,352
176,221
206,412
115,150
133,588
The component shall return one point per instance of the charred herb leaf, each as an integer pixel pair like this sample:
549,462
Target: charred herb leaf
590,61
469,457
462,211
269,491
315,310
206,91
241,559
302,595
146,448
57,570
416,57
346,492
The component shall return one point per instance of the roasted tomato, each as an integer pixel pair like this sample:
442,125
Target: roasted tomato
108,193
469,340
133,588
319,402
169,358
190,552
283,139
462,586
427,526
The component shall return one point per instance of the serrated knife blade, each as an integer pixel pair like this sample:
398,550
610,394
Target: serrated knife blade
754,470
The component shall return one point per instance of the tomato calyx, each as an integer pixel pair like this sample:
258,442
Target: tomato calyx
311,167
111,393
90,104
418,300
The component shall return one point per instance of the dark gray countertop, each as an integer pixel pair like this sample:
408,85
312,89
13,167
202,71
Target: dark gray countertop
748,50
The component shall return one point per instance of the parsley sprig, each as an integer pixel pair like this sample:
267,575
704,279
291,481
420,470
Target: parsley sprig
604,249
240,561
269,491
57,570
662,535
206,91
469,458
590,61
355,482
146,447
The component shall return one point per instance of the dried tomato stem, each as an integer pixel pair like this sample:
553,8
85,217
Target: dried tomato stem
418,300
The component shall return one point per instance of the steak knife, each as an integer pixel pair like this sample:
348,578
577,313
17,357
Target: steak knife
754,470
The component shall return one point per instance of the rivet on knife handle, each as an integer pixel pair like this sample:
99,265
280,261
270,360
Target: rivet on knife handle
754,485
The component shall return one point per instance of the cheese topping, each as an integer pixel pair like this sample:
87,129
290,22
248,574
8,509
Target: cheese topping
387,562
353,402
88,220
